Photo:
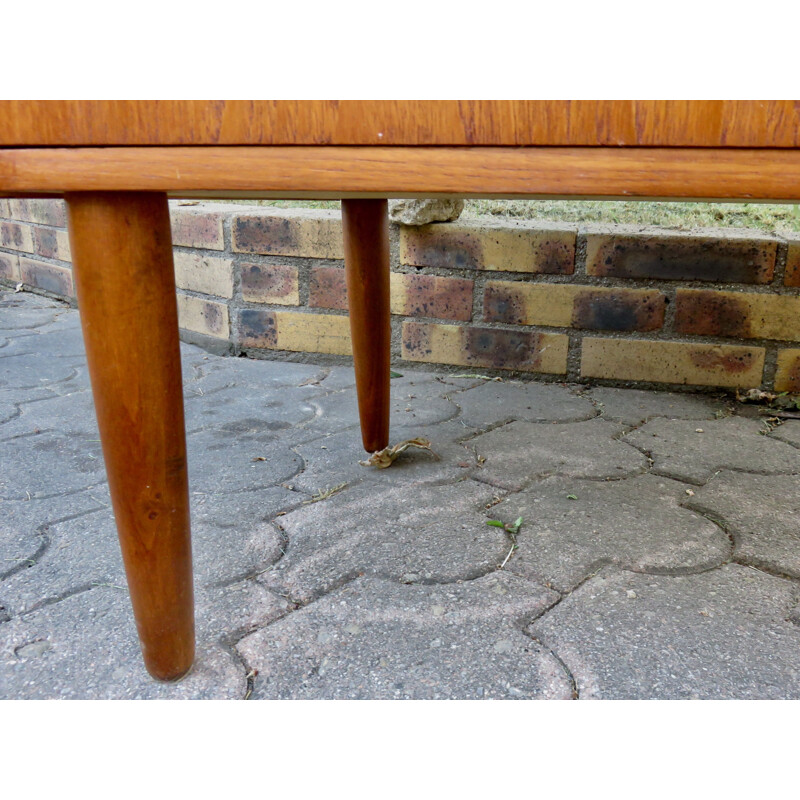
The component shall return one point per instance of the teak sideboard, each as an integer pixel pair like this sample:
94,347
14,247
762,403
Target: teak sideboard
117,162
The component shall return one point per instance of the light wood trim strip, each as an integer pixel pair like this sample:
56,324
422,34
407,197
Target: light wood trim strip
745,174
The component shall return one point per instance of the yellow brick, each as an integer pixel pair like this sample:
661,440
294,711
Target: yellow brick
203,316
787,376
511,248
9,267
738,314
291,232
14,236
542,303
672,362
205,274
491,348
313,333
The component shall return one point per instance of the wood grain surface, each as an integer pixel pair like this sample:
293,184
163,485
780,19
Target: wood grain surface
365,229
744,174
644,123
122,262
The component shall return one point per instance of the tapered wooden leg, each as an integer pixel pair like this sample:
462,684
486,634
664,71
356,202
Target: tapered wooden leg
366,260
122,263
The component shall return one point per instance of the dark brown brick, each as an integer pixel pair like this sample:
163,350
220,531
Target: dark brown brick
431,296
48,277
510,248
681,258
16,237
270,283
39,212
9,267
302,233
257,328
787,375
622,310
484,347
710,313
504,301
197,228
327,288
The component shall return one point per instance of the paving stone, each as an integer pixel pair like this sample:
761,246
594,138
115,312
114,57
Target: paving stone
24,526
61,414
63,341
409,532
761,513
18,311
237,410
494,402
228,460
635,406
686,450
33,371
221,372
721,634
788,432
48,464
335,459
84,550
374,639
414,401
522,451
573,527
85,647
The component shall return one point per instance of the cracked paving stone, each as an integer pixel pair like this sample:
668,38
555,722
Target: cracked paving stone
761,512
33,371
64,413
85,647
494,402
523,451
334,459
788,432
686,450
61,341
221,372
236,410
47,464
415,400
227,460
85,550
374,639
23,525
411,532
573,527
635,406
722,634
19,312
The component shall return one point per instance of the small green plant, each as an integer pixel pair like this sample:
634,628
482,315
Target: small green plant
512,530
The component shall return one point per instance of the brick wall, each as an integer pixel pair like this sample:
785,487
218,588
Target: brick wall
583,303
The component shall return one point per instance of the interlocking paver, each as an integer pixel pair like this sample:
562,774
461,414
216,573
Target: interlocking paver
634,406
84,551
410,532
415,400
522,451
573,527
761,513
85,647
335,459
494,402
397,575
721,634
691,451
376,639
